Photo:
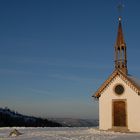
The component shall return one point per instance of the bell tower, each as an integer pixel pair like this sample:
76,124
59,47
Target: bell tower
120,50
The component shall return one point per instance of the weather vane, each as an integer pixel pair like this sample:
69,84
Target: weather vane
120,8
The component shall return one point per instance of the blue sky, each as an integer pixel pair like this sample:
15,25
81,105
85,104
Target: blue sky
54,54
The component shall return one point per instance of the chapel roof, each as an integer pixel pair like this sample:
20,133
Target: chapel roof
134,80
131,81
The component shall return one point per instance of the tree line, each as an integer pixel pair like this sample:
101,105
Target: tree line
10,118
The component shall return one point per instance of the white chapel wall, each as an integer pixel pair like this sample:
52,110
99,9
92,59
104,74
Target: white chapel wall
133,106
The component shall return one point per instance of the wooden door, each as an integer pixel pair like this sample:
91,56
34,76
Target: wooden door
119,113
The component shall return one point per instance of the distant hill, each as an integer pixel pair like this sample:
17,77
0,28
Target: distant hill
70,122
10,118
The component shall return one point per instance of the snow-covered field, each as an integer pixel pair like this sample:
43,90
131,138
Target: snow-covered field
66,134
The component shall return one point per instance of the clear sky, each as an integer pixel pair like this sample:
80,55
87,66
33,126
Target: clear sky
54,54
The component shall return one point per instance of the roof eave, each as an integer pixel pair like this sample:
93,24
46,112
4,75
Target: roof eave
98,93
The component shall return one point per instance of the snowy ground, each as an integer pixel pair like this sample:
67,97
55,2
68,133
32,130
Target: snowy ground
66,134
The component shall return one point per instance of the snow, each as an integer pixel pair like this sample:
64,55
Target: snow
63,133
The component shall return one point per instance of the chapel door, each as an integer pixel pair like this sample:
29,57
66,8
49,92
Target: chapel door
119,113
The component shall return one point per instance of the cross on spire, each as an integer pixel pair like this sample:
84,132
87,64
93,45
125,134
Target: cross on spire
120,8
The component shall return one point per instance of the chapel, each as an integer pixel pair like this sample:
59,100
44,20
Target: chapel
119,95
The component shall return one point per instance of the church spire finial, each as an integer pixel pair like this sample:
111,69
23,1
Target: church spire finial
120,48
120,19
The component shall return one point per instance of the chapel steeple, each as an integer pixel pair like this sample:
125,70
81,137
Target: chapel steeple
120,50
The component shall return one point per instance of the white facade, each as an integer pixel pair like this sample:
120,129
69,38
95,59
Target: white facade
132,100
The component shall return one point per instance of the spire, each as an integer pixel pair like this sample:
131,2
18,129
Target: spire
120,38
120,50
